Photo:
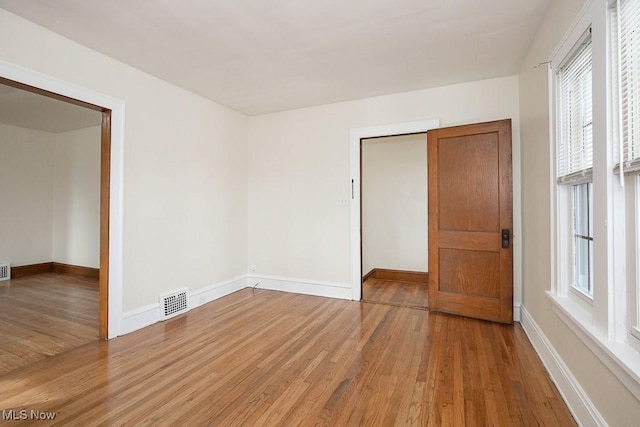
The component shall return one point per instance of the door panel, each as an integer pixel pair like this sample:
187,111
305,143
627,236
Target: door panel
470,203
478,210
470,272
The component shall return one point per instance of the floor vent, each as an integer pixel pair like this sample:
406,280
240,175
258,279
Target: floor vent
173,303
5,272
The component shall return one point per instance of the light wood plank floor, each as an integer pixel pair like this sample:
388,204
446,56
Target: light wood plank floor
275,358
404,294
44,315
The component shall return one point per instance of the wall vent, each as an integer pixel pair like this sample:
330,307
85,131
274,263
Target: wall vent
173,303
5,272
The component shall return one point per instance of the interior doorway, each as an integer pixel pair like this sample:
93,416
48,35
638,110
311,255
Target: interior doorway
112,173
103,199
394,220
356,135
481,154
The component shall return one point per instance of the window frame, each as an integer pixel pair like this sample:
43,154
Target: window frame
582,236
604,325
628,170
563,186
566,147
632,242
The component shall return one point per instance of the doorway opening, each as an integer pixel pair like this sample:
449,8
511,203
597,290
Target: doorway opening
473,164
355,138
86,280
394,220
112,112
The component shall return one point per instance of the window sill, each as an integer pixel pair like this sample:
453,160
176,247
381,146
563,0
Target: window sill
621,358
588,299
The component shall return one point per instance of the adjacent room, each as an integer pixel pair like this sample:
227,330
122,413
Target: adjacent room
220,199
50,222
394,220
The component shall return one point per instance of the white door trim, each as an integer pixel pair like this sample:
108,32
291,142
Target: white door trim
52,84
355,135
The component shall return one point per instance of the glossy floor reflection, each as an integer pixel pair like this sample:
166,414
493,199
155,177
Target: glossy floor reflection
44,315
290,359
404,294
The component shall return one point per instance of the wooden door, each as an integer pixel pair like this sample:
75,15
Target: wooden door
470,210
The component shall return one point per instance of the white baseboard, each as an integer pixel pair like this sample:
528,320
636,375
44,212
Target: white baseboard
582,408
140,318
219,290
150,314
516,313
301,286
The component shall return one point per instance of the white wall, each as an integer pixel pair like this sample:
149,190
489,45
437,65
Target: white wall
76,207
394,203
50,192
299,168
185,166
188,168
611,398
26,195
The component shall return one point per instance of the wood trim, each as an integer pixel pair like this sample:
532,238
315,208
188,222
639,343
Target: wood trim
360,209
506,213
53,95
369,275
53,267
75,270
397,275
31,270
105,178
432,215
105,182
402,276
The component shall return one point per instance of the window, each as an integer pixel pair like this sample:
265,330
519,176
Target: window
575,162
575,151
625,24
632,248
595,123
625,48
583,237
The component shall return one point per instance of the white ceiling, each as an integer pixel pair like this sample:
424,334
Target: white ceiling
29,110
260,56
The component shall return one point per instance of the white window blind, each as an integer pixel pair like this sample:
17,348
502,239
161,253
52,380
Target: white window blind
575,148
626,65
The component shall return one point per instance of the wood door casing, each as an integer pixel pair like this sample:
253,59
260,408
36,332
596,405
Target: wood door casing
470,203
105,184
105,194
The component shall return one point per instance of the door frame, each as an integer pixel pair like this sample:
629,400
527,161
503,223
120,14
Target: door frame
355,226
111,209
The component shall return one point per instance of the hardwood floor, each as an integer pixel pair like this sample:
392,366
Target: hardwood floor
404,294
277,358
44,315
